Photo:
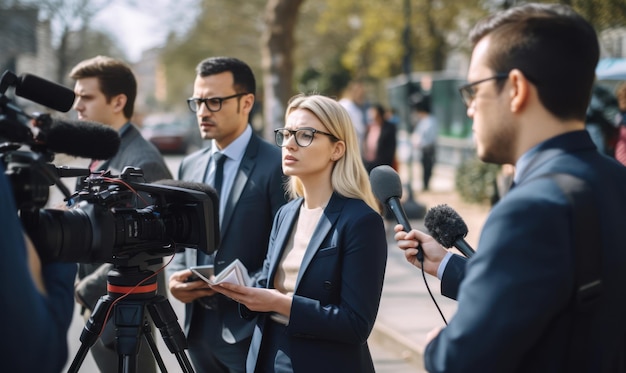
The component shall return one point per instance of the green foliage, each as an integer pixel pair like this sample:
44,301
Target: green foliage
329,81
476,180
375,35
221,28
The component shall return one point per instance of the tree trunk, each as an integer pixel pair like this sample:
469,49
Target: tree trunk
277,44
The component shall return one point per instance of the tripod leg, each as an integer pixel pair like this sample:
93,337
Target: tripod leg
91,331
165,319
147,333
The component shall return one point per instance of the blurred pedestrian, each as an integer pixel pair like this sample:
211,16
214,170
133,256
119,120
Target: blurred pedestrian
620,145
424,138
600,119
320,289
544,291
353,100
379,146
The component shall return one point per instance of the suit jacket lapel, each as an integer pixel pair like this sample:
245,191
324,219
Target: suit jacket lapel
241,179
327,220
198,174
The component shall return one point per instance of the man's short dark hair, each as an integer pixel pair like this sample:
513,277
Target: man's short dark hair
115,77
552,45
243,78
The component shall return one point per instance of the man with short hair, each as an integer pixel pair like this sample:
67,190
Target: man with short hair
251,192
544,291
105,93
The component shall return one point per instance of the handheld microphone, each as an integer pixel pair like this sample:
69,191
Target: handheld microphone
387,188
44,92
81,139
448,228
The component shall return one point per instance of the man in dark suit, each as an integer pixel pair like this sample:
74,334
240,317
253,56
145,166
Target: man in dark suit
521,306
251,192
105,92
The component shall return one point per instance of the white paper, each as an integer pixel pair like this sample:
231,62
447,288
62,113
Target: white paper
235,273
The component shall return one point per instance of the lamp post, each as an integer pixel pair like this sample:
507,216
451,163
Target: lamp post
413,209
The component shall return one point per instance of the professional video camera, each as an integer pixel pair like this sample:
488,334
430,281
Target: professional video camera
113,218
116,219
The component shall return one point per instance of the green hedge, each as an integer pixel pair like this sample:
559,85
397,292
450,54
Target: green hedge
476,181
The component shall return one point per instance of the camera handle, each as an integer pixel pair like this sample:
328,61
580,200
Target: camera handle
130,324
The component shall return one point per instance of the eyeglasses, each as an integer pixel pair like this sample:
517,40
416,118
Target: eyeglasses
468,93
304,136
213,104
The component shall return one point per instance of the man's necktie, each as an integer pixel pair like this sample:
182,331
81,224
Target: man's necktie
219,160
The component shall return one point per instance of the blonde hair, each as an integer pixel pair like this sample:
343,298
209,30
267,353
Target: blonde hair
349,177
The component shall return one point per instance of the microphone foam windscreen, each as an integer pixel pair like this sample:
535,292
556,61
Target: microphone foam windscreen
385,183
45,92
83,139
445,225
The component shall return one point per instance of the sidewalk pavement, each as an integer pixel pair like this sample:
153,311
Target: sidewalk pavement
407,312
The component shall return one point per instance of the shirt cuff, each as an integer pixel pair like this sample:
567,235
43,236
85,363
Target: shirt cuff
443,264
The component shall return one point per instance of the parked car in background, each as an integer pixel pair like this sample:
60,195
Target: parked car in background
172,133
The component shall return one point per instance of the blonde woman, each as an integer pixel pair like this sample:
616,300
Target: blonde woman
319,291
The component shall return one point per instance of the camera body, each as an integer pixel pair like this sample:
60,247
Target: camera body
112,219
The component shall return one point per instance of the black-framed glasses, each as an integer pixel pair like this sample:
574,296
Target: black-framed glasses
468,93
304,136
213,104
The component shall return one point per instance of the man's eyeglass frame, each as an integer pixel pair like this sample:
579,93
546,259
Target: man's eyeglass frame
467,90
195,102
279,134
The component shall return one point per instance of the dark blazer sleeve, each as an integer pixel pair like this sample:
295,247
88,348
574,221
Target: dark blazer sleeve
452,276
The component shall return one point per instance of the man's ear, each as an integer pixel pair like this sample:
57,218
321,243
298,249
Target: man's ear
519,91
119,102
247,103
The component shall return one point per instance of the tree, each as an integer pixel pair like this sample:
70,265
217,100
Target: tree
277,44
376,45
72,18
221,28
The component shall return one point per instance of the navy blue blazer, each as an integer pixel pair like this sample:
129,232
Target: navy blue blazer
338,287
515,296
254,199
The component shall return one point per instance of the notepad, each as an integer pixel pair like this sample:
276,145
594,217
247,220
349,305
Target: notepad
235,273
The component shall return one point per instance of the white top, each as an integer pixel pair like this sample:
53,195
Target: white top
287,273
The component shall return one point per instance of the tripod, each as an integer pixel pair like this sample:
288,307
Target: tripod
127,303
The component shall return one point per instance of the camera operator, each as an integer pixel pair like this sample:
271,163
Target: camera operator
105,92
37,299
